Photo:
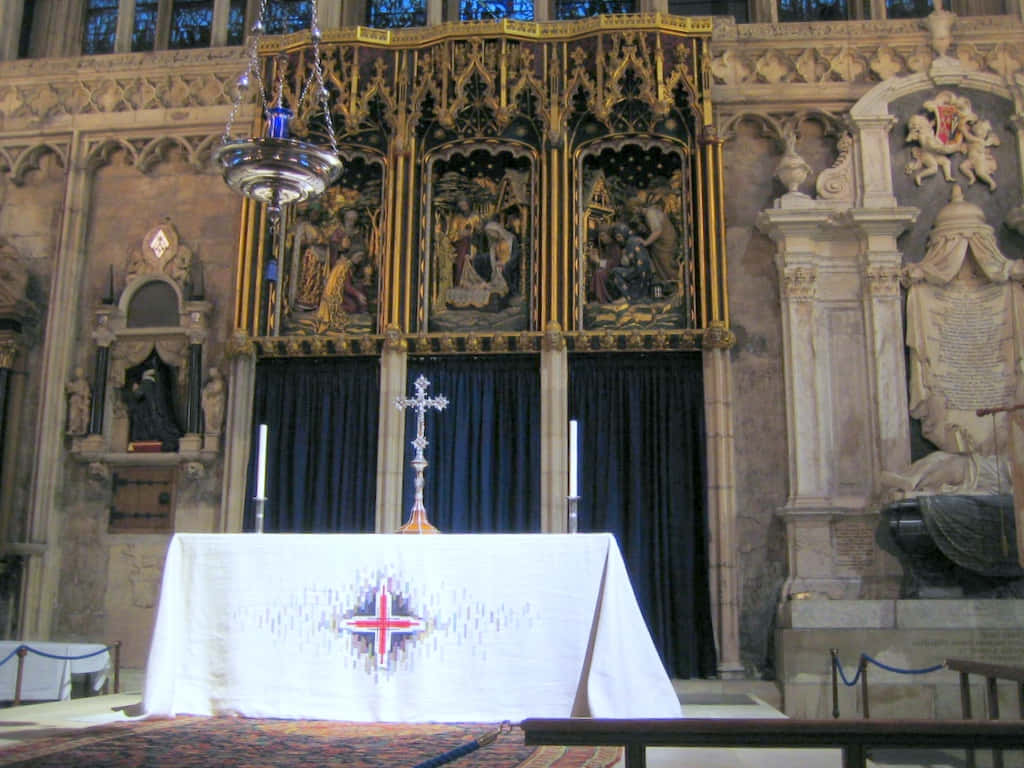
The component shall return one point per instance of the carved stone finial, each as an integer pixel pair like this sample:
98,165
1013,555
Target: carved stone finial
792,169
940,25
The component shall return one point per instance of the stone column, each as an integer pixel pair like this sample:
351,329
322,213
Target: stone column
881,262
59,346
391,432
10,28
554,432
721,511
219,27
99,389
241,358
125,26
10,423
195,387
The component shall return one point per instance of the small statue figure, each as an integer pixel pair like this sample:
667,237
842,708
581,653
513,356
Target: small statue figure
213,402
79,402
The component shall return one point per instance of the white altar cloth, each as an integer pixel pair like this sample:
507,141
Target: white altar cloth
475,628
46,679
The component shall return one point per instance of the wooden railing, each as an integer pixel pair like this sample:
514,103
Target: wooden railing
992,673
853,737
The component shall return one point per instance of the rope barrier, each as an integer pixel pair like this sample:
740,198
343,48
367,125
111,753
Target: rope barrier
24,650
864,657
465,749
30,649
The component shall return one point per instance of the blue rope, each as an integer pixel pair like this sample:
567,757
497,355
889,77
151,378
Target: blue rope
30,649
465,749
451,754
886,667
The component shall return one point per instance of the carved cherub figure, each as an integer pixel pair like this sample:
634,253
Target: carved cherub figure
979,163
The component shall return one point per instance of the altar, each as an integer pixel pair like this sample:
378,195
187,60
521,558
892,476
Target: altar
451,628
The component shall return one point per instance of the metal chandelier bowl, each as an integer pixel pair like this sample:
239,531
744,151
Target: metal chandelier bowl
277,171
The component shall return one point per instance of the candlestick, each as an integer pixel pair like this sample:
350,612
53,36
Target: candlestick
573,459
261,465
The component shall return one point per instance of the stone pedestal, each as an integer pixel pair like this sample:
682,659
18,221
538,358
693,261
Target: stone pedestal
904,634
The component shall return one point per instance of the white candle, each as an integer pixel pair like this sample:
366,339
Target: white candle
573,459
261,464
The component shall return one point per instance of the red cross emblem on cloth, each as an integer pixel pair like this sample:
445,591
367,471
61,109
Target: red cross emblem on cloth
382,624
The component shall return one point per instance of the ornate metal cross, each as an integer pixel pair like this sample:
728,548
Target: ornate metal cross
418,522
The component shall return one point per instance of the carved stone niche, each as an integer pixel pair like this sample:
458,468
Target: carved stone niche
156,329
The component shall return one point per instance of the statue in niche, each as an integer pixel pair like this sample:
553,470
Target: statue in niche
480,244
213,399
151,415
79,402
964,304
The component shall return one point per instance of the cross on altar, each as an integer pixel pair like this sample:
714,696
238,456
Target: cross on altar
382,624
418,522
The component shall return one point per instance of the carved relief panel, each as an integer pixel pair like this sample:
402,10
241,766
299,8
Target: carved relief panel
331,262
634,235
479,271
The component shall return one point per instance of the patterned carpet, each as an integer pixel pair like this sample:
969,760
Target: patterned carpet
226,742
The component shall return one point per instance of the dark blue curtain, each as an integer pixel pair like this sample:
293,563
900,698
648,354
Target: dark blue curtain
642,477
322,444
484,448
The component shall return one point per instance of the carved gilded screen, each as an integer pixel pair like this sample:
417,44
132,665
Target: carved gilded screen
499,177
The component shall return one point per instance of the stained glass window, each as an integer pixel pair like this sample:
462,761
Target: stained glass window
396,13
284,16
812,10
735,8
191,22
100,26
475,10
144,31
579,9
236,22
907,9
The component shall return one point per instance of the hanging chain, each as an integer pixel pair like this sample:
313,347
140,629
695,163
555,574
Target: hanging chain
318,75
253,69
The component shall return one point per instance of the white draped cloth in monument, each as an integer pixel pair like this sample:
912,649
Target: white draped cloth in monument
470,628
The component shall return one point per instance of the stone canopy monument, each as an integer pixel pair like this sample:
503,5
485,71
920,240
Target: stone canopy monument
965,314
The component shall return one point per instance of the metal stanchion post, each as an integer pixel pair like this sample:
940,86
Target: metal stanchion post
22,653
834,654
573,523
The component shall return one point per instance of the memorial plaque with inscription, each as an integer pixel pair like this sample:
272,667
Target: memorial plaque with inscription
143,500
